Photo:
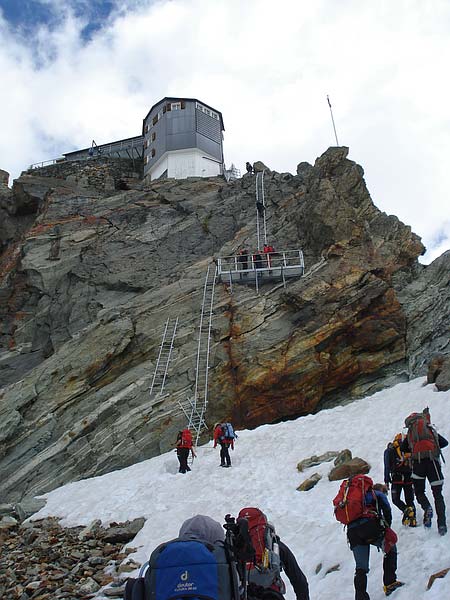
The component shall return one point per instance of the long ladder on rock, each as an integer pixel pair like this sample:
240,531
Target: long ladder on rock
195,407
163,360
261,229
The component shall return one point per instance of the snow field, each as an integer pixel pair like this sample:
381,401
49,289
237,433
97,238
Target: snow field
264,474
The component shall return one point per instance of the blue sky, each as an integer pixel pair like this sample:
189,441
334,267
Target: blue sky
77,70
27,15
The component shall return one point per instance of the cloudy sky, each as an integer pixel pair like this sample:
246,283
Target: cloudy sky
76,70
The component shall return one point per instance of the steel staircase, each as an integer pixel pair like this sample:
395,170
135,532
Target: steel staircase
163,360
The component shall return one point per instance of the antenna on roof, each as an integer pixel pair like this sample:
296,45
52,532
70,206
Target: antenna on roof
332,120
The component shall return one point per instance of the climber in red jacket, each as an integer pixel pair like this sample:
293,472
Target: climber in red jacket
222,435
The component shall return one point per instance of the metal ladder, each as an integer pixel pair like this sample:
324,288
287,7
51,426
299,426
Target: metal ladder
163,360
194,408
260,201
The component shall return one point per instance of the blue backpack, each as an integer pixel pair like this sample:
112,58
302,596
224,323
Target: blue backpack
187,568
228,431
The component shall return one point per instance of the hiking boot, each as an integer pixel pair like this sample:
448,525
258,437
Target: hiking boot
427,516
442,529
409,517
388,589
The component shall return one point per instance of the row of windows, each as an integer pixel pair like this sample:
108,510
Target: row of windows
207,111
181,105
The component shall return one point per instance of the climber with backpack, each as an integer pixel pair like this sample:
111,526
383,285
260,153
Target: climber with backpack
184,445
196,564
424,444
364,509
225,436
261,556
397,473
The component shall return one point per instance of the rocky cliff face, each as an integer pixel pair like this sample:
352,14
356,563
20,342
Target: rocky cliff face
87,288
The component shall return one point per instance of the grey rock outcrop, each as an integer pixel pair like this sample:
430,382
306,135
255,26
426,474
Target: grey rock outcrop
315,460
439,372
426,302
95,276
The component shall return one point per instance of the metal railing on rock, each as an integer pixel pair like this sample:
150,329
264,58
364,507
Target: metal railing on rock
260,267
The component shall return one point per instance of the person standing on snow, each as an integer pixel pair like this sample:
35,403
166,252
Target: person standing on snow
184,445
397,472
374,530
225,441
425,445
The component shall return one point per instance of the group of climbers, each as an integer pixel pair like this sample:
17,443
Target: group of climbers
223,435
364,508
248,260
249,559
411,459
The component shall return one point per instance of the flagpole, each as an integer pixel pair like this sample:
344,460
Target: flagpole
332,120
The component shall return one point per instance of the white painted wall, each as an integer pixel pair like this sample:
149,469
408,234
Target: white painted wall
185,163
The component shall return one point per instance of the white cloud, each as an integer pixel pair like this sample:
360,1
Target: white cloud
268,68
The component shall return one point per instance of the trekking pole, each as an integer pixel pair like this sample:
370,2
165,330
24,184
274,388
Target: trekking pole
245,580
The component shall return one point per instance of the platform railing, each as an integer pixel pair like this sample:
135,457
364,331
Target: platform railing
46,163
260,267
286,259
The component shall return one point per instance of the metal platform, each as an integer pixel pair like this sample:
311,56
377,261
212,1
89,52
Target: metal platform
260,267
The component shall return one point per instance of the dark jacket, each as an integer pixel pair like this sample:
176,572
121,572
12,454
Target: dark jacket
394,465
293,572
365,531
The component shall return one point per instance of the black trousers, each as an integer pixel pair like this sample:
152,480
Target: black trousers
225,454
360,539
402,482
429,468
183,455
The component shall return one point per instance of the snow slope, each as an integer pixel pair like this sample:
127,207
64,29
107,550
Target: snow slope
264,474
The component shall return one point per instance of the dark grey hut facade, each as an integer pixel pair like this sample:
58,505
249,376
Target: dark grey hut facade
182,138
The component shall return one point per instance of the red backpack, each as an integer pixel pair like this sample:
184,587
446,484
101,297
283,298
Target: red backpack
422,439
186,439
265,569
350,501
